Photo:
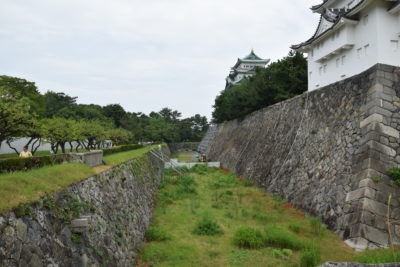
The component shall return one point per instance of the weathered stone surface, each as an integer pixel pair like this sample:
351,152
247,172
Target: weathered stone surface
108,233
324,151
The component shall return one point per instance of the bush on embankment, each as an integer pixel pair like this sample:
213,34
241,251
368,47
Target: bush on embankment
22,164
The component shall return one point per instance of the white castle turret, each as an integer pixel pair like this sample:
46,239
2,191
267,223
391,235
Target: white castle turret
352,36
244,68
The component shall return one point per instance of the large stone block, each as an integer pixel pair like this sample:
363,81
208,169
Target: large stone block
372,118
373,206
360,193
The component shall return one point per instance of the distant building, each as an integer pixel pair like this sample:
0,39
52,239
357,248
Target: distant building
352,36
244,68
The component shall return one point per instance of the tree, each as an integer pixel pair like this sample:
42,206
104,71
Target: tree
120,136
16,118
281,80
57,131
54,102
115,112
26,89
158,129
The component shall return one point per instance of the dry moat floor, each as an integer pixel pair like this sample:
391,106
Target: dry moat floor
210,217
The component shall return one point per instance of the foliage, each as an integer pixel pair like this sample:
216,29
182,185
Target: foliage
317,226
156,233
22,164
120,136
280,237
247,237
16,118
378,256
54,102
76,238
281,80
310,258
199,169
295,227
185,185
394,173
24,89
207,226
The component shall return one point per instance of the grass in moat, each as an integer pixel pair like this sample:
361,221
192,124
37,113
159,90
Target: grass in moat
187,156
210,217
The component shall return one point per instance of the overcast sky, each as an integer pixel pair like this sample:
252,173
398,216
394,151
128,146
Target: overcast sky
144,54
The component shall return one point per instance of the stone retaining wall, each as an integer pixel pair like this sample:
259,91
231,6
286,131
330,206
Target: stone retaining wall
98,222
327,152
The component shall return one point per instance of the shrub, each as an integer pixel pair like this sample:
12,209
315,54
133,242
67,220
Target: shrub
279,237
156,233
223,180
246,237
207,226
186,185
265,218
394,173
117,149
378,256
295,227
310,258
199,169
22,164
316,226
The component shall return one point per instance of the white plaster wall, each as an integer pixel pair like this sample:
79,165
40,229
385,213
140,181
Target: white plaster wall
377,33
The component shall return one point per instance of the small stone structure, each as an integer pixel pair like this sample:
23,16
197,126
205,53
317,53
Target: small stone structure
327,152
98,222
91,158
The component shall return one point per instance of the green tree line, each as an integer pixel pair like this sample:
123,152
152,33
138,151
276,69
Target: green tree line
57,118
279,81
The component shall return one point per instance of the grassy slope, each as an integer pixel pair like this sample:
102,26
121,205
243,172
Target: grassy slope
247,206
23,187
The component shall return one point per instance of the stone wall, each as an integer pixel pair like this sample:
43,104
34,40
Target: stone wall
98,222
327,152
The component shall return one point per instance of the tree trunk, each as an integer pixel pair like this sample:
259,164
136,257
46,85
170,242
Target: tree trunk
33,148
13,148
71,147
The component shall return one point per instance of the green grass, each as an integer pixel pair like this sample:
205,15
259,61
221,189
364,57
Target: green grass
187,156
119,158
23,187
279,235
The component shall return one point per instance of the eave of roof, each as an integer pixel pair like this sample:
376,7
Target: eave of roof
346,15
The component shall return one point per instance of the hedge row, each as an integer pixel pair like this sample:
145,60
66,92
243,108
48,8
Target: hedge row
117,149
22,164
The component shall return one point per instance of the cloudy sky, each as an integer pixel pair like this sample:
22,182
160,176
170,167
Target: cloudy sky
144,55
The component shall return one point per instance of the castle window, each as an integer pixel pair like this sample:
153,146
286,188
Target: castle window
310,74
325,67
343,60
338,62
320,70
366,50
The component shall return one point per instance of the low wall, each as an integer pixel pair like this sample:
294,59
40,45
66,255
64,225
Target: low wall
327,152
180,147
98,222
